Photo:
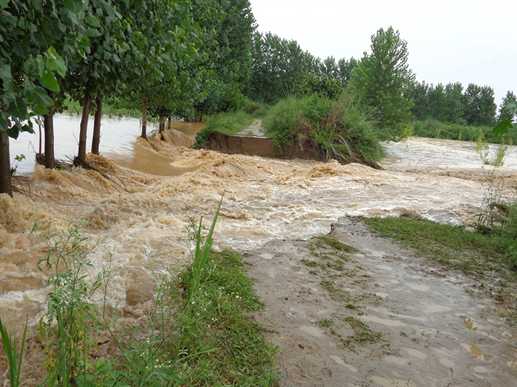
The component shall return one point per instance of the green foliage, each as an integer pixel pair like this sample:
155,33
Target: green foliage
452,104
281,68
338,128
201,332
437,129
69,325
508,109
382,79
469,251
13,354
225,123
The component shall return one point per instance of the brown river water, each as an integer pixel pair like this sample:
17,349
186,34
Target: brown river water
137,211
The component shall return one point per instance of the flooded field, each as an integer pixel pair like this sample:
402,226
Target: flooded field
136,211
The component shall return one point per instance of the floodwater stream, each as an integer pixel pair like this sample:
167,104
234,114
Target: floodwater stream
136,213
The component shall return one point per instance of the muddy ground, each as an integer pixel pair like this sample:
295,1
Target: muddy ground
135,210
353,309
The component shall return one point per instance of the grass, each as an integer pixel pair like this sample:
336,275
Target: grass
458,248
437,129
14,355
338,129
362,333
329,241
229,123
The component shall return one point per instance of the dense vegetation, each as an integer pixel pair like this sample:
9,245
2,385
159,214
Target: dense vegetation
338,128
203,57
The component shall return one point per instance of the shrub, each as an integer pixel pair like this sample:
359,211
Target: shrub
339,128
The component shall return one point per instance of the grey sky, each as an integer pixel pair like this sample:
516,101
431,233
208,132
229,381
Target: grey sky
449,40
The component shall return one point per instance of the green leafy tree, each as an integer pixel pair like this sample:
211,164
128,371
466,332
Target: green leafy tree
29,70
508,109
454,108
382,79
227,27
99,72
480,107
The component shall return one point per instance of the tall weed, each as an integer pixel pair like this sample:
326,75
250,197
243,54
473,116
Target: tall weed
13,354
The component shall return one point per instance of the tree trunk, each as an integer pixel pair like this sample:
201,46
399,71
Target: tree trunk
169,123
144,121
48,123
5,164
161,127
96,141
81,157
39,134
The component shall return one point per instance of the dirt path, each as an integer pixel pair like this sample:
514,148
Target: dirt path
374,315
254,130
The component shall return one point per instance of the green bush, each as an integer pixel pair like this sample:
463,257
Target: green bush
339,128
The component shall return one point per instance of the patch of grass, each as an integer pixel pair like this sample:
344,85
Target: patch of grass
330,241
336,293
311,264
362,332
456,247
361,335
229,123
217,342
326,323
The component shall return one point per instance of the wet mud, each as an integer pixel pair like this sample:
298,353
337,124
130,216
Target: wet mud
354,309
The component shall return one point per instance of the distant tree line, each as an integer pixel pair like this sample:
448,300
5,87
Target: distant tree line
474,105
281,68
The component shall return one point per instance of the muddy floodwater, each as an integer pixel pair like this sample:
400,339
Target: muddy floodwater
136,212
118,137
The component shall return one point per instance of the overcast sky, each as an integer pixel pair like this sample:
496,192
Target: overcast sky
449,40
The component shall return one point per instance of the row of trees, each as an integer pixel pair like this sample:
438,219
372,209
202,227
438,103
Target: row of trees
281,68
474,105
181,57
381,79
190,58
